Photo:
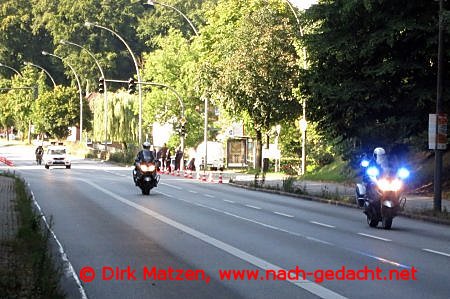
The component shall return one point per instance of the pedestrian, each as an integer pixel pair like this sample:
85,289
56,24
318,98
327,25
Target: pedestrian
164,151
168,166
178,158
191,165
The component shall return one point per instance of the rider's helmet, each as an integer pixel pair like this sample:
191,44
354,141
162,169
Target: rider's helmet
146,145
379,154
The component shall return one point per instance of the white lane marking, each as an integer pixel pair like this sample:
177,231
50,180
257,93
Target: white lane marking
165,194
318,240
374,237
171,186
229,201
322,224
283,214
383,260
437,252
307,285
192,191
209,195
253,207
70,271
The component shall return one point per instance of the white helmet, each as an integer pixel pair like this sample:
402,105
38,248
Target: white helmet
146,145
379,154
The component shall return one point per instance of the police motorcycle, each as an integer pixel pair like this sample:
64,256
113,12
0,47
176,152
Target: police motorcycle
381,193
145,174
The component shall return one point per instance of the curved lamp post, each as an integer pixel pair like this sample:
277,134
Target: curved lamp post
79,89
40,67
11,68
205,134
152,3
105,115
88,25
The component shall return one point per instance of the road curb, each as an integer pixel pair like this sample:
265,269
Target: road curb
337,203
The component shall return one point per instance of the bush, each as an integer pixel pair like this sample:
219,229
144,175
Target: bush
290,166
125,155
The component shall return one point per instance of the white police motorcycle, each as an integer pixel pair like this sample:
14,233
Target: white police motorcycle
381,193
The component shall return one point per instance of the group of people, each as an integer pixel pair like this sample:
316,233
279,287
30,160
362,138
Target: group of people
164,156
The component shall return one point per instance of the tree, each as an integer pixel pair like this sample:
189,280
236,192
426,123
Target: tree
256,70
174,64
372,75
56,110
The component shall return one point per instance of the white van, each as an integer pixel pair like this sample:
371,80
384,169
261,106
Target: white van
215,154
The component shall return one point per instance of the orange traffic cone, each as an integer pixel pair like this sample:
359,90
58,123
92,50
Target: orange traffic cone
220,178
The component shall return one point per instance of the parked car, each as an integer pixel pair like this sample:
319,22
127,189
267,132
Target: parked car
57,156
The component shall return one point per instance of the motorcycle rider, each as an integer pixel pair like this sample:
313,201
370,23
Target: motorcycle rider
144,154
380,161
39,152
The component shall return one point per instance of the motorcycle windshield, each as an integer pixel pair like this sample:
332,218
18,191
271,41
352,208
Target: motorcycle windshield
147,156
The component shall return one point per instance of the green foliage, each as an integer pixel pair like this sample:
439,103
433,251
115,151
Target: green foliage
174,64
250,48
372,75
122,122
29,271
337,171
55,111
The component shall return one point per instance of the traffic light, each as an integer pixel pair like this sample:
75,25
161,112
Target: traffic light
131,86
183,130
101,85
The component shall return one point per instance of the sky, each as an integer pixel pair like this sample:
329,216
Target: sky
303,4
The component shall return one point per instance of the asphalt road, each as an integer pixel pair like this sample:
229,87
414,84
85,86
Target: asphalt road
104,223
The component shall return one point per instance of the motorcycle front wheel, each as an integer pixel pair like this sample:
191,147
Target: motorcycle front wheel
146,190
372,222
386,222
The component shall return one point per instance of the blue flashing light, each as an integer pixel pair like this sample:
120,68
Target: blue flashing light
403,173
373,171
365,163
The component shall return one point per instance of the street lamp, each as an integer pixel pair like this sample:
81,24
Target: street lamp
437,200
11,68
105,93
40,67
152,3
88,25
79,89
303,122
278,162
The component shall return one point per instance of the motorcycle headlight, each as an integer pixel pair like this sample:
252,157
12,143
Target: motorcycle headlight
403,173
373,171
396,185
387,185
148,167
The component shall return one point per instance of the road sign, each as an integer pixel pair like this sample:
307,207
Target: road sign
437,131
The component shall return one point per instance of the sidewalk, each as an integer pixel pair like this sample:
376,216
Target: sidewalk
8,222
414,202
